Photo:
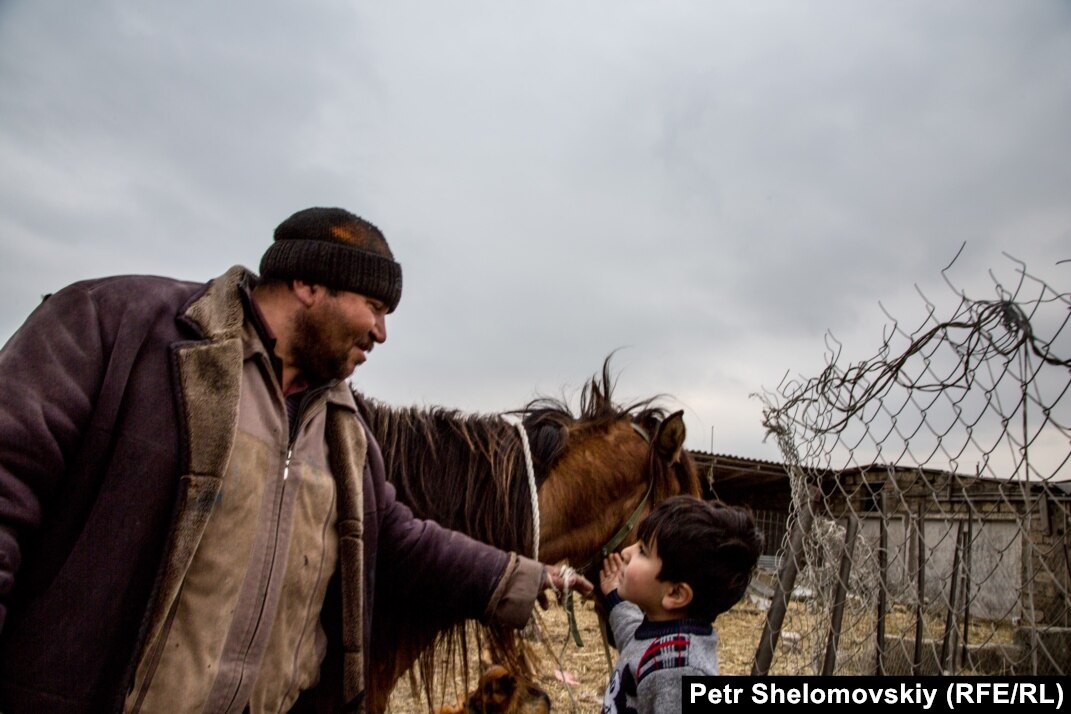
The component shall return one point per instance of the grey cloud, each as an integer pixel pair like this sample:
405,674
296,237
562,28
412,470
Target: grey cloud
709,187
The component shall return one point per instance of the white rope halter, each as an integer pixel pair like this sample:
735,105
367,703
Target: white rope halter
509,418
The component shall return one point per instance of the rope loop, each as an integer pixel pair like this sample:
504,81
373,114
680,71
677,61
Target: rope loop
519,425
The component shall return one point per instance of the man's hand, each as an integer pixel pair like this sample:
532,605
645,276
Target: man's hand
562,579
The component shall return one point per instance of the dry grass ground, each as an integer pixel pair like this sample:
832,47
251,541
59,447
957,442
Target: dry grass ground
575,677
586,667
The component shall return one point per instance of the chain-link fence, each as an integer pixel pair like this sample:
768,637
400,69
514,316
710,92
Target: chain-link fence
931,486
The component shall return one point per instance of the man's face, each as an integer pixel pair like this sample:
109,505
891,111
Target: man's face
336,332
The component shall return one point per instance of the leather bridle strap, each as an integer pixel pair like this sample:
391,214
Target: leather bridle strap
619,537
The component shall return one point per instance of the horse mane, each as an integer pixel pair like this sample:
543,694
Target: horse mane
467,472
464,471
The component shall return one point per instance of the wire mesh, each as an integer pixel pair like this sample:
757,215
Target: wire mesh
949,452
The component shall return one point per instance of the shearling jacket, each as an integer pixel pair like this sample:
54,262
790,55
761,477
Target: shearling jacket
117,417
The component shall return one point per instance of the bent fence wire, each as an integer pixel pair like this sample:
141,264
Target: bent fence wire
931,486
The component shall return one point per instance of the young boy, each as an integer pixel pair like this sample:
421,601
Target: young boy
692,561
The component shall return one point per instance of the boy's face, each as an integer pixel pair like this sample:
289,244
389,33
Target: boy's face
639,584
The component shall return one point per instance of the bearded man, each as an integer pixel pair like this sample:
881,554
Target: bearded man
191,508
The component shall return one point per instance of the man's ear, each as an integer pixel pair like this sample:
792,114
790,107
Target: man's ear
306,293
678,597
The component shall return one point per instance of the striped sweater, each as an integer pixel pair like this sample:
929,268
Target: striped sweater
654,657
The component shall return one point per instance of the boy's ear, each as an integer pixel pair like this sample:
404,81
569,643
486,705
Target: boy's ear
677,597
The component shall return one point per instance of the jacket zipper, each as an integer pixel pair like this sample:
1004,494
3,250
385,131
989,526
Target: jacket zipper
303,417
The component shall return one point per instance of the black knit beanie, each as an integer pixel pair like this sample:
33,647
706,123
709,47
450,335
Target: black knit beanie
319,246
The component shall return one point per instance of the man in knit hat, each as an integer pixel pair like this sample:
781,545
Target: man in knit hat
191,508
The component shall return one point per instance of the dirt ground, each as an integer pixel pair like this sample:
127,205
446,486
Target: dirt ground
575,677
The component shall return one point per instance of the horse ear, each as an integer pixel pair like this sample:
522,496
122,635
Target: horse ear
669,439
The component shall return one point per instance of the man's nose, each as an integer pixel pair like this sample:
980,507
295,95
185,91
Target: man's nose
379,330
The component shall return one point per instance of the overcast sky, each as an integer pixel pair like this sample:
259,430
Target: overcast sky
706,187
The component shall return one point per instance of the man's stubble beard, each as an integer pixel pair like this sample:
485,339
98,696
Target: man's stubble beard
320,353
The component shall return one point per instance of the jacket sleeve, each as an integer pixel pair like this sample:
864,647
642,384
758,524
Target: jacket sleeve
51,369
450,572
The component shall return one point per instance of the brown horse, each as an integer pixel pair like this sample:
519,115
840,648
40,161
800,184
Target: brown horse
468,473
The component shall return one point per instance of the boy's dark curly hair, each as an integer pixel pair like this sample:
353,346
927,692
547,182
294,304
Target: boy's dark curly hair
711,546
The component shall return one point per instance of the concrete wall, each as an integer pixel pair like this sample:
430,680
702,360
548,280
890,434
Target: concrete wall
995,563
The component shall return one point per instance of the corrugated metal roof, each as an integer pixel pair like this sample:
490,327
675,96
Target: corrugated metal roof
732,470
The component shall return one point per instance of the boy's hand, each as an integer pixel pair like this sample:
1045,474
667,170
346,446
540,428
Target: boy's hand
612,567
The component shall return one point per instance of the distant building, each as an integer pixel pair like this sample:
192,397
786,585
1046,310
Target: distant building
1019,560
